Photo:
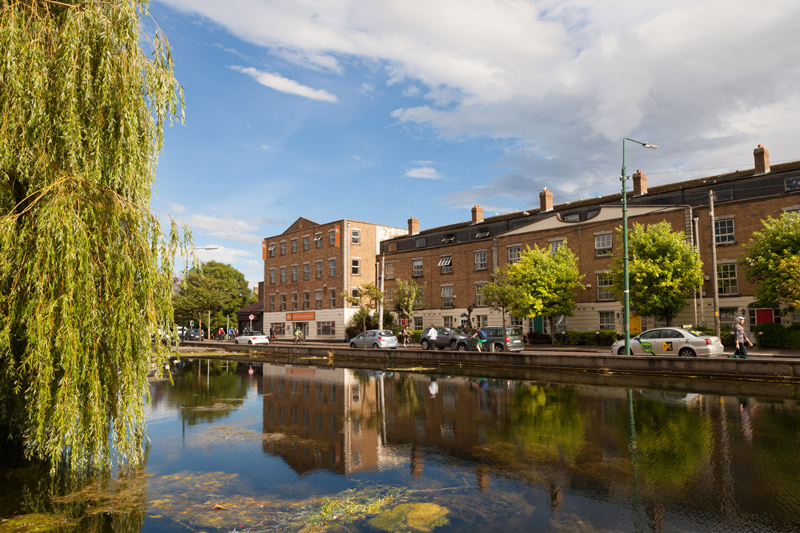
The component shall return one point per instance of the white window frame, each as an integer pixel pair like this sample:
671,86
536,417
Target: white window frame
332,237
729,235
418,322
605,324
306,271
514,252
446,262
332,267
603,245
355,266
319,269
332,298
355,236
389,299
388,271
318,298
416,268
605,279
272,276
727,284
481,264
479,298
294,245
271,249
294,273
555,244
447,297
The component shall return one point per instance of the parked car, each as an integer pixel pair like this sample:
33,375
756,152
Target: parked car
193,335
671,341
512,341
252,337
374,338
446,337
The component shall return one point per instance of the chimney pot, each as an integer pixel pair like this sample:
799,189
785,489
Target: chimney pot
639,183
477,214
545,200
761,156
413,226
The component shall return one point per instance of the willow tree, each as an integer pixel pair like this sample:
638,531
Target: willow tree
85,272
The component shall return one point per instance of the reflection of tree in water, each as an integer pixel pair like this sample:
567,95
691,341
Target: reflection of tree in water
543,425
672,443
205,401
407,398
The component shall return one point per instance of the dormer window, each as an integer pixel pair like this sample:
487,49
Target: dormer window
572,217
450,237
482,234
421,243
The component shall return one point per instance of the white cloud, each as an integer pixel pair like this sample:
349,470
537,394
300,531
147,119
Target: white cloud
412,91
175,208
222,254
356,157
285,85
228,227
429,173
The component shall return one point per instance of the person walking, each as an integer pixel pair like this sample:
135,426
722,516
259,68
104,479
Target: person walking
297,335
740,339
432,336
406,336
272,334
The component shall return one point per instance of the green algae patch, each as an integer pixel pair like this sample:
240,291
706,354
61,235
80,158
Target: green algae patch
33,523
411,517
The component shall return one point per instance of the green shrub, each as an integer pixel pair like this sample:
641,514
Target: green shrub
771,335
725,334
588,338
534,337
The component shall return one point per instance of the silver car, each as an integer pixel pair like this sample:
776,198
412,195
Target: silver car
374,338
671,341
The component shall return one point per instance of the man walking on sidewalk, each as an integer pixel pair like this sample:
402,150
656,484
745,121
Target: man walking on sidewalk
740,339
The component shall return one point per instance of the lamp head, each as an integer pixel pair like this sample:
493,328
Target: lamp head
651,146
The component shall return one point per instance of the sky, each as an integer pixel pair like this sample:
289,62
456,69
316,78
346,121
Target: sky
380,110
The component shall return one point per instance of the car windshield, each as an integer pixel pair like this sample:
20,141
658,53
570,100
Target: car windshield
386,332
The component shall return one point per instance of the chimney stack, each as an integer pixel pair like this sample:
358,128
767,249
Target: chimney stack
639,183
545,201
413,226
761,156
261,291
477,214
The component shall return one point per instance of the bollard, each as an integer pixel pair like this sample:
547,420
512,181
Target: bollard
598,338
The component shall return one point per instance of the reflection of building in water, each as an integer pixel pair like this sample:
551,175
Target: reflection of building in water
329,415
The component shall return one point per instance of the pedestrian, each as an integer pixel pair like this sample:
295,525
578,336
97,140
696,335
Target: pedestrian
480,337
432,336
740,339
230,333
271,333
221,334
406,336
297,334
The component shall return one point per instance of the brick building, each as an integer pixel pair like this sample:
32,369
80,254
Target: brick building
309,266
454,261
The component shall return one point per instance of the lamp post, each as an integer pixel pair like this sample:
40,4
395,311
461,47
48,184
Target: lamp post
626,295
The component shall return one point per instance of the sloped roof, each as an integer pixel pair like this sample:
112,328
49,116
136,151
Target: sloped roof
257,307
301,223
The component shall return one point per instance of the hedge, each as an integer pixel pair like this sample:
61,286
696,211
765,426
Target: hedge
588,338
772,335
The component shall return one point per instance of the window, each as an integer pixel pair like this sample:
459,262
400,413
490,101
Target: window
319,269
294,301
447,297
318,240
559,323
795,316
605,282
724,195
283,248
572,217
478,296
271,303
332,237
480,260
446,264
305,300
516,322
727,316
513,254
294,272
306,274
482,320
294,246
418,322
283,274
416,267
332,298
607,320
319,299
278,328
272,250
389,270
421,243
602,245
305,243
792,184
354,293
332,266
448,322
723,230
450,237
356,236
555,245
272,275
418,301
389,299
726,279
326,328
283,302
482,234
356,267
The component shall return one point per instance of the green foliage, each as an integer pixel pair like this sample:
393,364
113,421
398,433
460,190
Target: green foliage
363,320
771,261
368,299
663,270
214,287
406,293
725,335
501,294
85,275
772,335
588,338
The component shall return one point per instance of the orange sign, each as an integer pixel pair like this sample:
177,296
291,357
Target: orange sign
264,250
337,236
309,315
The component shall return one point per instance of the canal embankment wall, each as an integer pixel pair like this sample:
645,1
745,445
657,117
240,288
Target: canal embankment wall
771,369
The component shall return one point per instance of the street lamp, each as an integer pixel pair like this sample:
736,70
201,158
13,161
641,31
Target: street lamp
626,295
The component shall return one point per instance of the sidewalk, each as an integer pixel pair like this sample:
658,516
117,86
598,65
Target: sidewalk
752,352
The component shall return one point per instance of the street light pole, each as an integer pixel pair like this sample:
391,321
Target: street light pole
626,294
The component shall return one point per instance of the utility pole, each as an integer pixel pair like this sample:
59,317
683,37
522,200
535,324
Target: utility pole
380,304
714,285
209,324
702,283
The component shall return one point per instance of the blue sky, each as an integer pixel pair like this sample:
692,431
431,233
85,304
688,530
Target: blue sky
376,110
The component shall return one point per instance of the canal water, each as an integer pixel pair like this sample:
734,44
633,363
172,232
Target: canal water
300,447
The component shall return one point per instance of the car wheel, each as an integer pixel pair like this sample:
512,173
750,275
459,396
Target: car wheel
375,346
236,342
424,344
249,342
462,347
621,351
686,352
352,345
453,345
498,348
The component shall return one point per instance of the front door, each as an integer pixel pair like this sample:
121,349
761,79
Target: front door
303,327
636,325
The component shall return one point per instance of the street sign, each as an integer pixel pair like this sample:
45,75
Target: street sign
252,317
191,323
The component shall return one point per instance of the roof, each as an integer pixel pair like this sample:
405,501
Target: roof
257,307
